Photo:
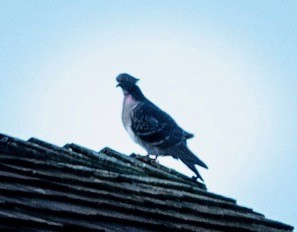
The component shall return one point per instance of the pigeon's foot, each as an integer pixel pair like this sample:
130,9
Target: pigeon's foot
149,159
146,159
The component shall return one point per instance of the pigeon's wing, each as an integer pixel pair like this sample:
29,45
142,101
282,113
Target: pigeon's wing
154,126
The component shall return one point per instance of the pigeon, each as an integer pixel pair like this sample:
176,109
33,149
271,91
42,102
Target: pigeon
152,128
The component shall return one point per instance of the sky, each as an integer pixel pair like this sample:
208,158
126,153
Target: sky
226,71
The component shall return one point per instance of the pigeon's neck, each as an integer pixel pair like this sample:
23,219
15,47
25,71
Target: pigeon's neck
136,93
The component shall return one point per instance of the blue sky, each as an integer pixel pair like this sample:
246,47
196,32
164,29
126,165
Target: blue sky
225,70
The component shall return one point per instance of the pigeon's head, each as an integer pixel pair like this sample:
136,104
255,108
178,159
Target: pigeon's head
126,82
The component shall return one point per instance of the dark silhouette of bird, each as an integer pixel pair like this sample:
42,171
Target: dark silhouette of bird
152,128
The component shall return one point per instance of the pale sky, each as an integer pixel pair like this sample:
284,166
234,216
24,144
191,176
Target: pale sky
224,70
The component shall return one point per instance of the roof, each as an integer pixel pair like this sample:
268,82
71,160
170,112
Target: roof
46,187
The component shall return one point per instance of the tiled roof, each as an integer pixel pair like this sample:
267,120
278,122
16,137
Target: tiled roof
46,187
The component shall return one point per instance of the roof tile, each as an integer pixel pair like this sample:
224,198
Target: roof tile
47,187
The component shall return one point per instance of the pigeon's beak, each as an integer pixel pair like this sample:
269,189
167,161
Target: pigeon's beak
119,84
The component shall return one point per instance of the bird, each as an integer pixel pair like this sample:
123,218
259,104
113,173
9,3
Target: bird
152,128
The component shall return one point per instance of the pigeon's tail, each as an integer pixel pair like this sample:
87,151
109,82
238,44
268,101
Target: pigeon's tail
189,159
188,135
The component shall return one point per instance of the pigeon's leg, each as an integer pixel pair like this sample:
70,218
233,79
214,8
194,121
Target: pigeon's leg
147,159
144,158
148,155
156,159
153,159
153,155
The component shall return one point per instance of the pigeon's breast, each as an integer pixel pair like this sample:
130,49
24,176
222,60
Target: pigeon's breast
128,105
